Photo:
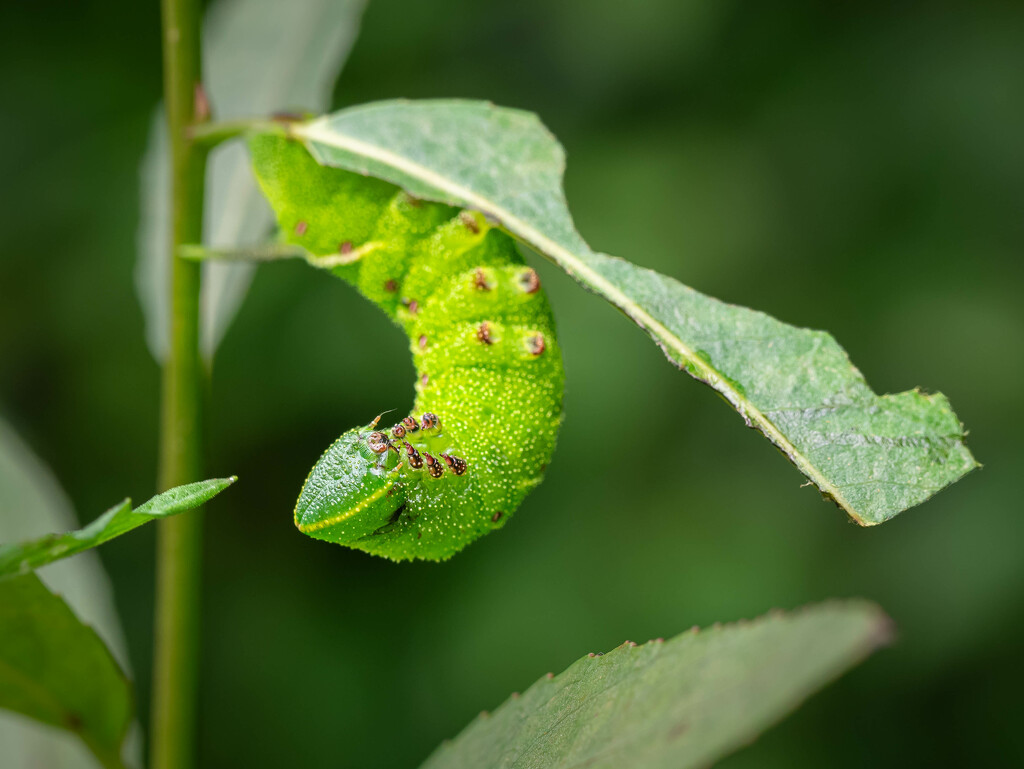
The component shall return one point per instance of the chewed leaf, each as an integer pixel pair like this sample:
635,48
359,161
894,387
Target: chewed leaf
681,703
118,520
56,670
875,456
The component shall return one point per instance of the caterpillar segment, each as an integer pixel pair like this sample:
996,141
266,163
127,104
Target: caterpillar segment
489,376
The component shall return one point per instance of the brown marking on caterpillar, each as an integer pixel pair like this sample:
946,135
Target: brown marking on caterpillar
424,379
397,514
301,227
414,307
378,442
535,344
390,286
413,201
480,280
415,460
483,334
497,516
430,421
411,424
398,431
423,341
470,221
435,468
455,464
345,247
529,281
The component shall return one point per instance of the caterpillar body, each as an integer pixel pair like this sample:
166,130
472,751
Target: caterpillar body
489,376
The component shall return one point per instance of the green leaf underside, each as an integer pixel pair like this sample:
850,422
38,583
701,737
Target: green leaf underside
259,56
681,703
875,456
55,669
118,520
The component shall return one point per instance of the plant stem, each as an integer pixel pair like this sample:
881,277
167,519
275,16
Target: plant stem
175,663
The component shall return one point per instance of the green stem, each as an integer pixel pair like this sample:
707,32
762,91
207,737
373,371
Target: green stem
208,135
175,667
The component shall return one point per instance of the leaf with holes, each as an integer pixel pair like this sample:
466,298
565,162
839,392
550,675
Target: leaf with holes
875,456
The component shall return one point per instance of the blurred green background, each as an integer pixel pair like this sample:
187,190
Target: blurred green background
858,168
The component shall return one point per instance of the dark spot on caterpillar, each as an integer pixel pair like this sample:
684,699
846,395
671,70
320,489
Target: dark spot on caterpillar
424,379
411,424
73,721
398,431
480,280
345,248
544,467
535,344
457,466
378,442
470,221
423,341
483,333
413,201
435,468
300,228
549,676
415,460
529,281
414,307
678,731
497,517
419,535
390,286
431,421
397,514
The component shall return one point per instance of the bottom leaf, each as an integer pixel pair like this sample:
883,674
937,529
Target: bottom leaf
674,704
56,670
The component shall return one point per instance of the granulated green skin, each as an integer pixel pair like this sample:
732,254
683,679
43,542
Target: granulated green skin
475,319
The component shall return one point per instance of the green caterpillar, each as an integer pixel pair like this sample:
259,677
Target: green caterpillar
489,370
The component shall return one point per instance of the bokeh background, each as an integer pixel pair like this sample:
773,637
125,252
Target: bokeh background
854,167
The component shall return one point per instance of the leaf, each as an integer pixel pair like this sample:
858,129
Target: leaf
56,670
681,703
31,504
118,520
259,56
874,456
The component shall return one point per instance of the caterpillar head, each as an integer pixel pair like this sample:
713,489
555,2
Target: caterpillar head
351,492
